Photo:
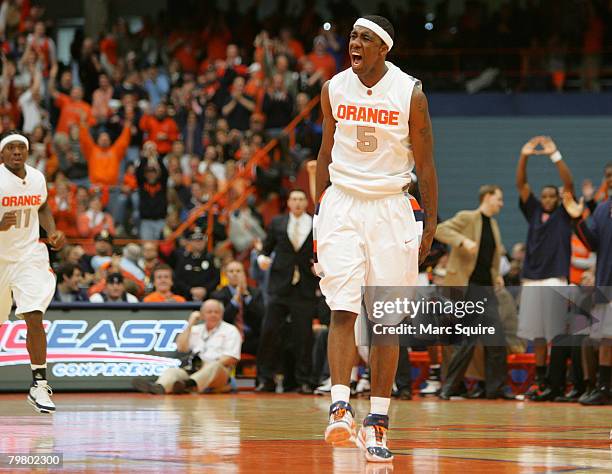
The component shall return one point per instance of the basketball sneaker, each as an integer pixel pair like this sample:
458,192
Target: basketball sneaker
534,390
432,387
372,438
363,387
40,397
324,388
340,431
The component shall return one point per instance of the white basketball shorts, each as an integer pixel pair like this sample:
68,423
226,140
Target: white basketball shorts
31,282
543,311
365,242
601,326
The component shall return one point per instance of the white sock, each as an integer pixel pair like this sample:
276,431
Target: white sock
340,393
355,374
379,405
34,366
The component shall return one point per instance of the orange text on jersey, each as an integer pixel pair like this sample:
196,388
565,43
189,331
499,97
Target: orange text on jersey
14,201
368,114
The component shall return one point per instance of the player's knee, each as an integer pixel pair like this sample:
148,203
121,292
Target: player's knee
34,321
343,318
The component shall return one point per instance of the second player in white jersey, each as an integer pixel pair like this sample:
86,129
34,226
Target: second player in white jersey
24,197
371,155
25,274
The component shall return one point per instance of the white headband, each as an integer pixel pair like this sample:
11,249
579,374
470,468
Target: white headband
15,137
376,29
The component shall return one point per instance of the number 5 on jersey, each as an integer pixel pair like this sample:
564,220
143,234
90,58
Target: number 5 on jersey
366,140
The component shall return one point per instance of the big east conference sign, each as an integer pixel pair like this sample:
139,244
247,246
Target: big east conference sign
85,347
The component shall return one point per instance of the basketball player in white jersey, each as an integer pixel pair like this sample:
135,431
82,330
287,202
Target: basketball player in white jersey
24,261
376,128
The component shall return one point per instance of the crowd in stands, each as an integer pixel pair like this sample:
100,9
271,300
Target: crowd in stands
140,128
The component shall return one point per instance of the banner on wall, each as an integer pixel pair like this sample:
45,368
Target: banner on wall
96,347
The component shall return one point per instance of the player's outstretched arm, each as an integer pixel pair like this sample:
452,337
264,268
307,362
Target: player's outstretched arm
311,169
324,158
57,239
550,149
522,185
421,139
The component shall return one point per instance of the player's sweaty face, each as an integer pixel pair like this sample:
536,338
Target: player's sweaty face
14,154
364,49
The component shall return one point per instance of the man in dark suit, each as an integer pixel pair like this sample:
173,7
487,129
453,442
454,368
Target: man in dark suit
244,306
292,290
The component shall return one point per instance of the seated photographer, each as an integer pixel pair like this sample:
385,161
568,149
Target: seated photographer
214,349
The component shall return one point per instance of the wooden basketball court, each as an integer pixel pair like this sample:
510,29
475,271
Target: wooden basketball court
254,433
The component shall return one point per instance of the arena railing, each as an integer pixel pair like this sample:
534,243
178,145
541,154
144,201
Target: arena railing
214,204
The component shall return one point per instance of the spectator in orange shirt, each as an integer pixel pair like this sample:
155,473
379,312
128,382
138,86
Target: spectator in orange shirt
321,59
62,201
292,45
71,107
103,157
160,128
95,220
108,51
162,282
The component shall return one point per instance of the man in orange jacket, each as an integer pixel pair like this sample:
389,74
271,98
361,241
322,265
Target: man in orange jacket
160,128
104,161
72,107
104,157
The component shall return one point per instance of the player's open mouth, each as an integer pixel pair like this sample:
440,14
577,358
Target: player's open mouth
356,59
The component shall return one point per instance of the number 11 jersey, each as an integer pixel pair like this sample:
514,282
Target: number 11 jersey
371,155
24,197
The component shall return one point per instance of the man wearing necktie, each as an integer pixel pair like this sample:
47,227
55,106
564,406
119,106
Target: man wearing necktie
292,290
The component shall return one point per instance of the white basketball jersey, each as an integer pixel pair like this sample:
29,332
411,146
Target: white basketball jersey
25,197
371,155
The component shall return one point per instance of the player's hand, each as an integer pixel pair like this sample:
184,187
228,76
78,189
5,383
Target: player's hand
57,240
470,246
426,241
499,282
573,208
548,146
9,219
529,148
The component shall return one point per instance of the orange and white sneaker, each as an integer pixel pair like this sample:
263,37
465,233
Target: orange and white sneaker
372,438
341,429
